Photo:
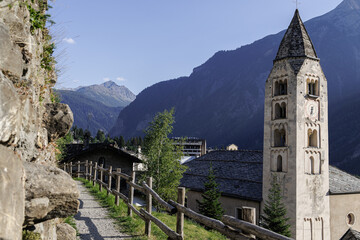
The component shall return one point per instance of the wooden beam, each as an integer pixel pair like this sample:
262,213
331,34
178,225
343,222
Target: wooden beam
168,231
210,222
258,231
137,187
122,196
117,186
168,207
123,175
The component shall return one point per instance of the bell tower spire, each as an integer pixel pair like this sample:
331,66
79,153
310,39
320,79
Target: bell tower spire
296,133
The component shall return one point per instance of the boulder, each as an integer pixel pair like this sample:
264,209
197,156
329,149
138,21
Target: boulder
11,191
65,232
58,119
49,193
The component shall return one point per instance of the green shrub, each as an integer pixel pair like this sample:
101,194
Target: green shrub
29,235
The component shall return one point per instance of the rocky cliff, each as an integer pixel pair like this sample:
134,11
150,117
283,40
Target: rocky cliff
30,123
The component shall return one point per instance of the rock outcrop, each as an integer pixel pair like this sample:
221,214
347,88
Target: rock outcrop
30,123
49,193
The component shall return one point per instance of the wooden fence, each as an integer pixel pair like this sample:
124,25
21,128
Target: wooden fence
229,226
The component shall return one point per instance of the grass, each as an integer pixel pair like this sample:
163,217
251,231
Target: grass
135,226
71,221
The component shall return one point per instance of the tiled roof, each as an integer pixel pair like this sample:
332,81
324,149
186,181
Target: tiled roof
351,234
341,182
239,174
296,41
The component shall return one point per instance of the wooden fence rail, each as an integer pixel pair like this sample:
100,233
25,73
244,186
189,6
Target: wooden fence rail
229,226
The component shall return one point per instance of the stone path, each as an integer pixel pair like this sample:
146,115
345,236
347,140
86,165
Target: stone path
92,220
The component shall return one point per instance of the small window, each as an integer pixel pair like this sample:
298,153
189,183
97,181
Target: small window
280,88
239,213
312,138
312,165
279,138
280,111
279,164
350,219
312,87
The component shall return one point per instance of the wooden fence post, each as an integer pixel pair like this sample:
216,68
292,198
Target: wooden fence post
117,186
131,193
71,169
109,181
101,177
65,167
180,215
78,169
148,208
90,171
86,169
95,173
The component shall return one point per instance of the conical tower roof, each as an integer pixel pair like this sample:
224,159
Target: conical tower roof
296,41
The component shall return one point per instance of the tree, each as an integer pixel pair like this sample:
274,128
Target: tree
61,150
274,217
209,205
100,136
162,157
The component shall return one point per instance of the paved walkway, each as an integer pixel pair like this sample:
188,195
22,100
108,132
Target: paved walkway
92,220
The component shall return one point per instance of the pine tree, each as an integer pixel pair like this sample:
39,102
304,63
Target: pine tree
162,157
209,205
274,217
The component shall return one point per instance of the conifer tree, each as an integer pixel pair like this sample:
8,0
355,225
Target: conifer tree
274,217
209,205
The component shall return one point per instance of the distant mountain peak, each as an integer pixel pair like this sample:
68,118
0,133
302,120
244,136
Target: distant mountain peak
109,84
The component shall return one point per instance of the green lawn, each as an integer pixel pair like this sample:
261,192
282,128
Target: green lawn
136,227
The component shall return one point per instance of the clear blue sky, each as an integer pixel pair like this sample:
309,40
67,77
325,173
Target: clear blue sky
137,43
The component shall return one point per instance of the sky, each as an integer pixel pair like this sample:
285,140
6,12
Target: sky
138,43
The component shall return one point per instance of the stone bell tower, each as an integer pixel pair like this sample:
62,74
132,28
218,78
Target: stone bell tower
296,134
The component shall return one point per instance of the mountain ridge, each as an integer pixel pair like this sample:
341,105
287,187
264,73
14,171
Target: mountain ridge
222,100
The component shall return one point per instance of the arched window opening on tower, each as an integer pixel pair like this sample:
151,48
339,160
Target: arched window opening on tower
280,110
312,87
312,165
279,138
280,88
279,163
312,138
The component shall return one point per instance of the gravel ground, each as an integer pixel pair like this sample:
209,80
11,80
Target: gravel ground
92,220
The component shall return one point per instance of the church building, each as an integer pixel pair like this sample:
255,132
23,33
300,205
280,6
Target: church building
322,201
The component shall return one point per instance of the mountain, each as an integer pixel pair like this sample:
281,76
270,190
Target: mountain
97,106
108,93
223,99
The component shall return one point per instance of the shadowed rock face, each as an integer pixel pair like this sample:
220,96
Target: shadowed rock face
29,123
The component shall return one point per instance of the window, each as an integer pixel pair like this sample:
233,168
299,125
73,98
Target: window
279,164
312,165
312,138
101,161
239,213
312,87
280,111
350,219
279,138
280,88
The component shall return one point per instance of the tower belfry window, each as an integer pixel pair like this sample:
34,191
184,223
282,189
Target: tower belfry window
280,88
312,138
279,138
312,87
280,111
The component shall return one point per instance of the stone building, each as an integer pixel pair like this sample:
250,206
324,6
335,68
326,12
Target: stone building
322,201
